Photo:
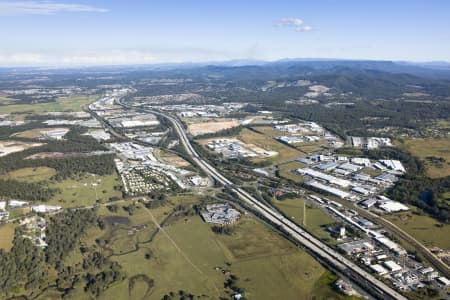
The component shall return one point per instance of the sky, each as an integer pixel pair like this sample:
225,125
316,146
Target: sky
114,32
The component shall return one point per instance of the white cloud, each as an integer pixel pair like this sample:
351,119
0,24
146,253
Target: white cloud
296,23
10,8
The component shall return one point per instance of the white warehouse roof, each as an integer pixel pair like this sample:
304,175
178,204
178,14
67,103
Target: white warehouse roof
378,269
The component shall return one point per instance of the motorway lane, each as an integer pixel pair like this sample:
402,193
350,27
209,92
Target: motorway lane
332,257
310,242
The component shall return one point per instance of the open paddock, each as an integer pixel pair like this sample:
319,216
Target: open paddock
173,159
422,227
71,103
6,236
265,141
86,190
30,174
316,219
438,148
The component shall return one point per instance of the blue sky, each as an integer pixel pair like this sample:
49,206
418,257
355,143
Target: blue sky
129,32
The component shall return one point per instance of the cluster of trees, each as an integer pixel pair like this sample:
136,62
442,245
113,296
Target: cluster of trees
425,193
181,295
66,167
130,209
232,283
415,187
26,190
96,274
64,231
226,230
225,132
22,267
97,283
7,131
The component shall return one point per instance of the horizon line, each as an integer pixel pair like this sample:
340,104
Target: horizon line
245,62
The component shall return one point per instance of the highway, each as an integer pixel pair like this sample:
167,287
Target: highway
366,280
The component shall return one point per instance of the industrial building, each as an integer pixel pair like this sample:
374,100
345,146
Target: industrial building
328,178
329,189
220,214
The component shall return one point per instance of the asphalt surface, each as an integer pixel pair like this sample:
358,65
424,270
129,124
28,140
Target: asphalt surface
339,262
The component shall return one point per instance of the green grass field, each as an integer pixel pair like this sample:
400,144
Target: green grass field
6,236
72,103
425,229
30,174
82,192
268,266
287,170
18,212
185,255
6,100
431,147
305,148
316,219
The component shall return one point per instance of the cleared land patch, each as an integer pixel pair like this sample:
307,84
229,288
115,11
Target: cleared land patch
425,229
434,152
72,103
55,155
211,126
305,147
30,174
265,141
6,236
6,100
84,191
35,133
173,159
8,147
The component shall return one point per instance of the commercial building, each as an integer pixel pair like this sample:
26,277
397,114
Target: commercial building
444,281
392,266
392,206
394,165
350,167
17,203
356,247
54,134
329,189
220,214
360,190
379,269
328,178
361,161
45,208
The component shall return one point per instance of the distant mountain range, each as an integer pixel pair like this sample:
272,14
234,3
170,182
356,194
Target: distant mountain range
285,67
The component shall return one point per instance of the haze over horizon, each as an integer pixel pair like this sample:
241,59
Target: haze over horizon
84,33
